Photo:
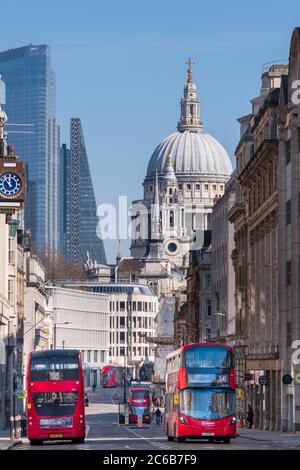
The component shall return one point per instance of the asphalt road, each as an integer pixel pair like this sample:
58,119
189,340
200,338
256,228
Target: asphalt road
104,433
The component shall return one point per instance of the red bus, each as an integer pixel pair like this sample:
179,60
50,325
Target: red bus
200,393
112,376
139,405
55,396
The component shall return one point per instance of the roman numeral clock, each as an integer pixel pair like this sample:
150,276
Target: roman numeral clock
12,184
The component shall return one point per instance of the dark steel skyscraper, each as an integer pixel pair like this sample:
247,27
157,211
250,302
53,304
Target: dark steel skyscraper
30,106
78,203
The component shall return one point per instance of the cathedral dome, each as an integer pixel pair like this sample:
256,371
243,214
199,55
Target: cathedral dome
196,153
193,151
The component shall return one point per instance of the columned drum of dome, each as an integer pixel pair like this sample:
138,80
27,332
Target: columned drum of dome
186,172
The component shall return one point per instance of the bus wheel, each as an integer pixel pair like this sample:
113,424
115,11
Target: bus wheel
78,440
226,440
35,442
177,438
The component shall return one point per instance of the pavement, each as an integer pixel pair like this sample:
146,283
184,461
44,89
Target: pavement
104,433
270,436
6,443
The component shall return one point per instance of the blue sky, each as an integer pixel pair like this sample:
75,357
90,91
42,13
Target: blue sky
120,67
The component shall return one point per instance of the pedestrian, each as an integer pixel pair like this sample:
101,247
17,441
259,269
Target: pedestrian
250,416
157,416
94,387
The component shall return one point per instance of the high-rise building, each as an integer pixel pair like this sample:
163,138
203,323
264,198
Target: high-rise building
30,105
79,219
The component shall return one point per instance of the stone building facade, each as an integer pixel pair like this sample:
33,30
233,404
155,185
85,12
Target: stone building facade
255,256
289,235
222,270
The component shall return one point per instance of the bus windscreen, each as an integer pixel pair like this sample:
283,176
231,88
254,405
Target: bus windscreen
54,368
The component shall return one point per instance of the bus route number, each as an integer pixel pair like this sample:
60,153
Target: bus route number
171,459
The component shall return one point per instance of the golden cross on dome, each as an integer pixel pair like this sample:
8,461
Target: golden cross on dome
190,62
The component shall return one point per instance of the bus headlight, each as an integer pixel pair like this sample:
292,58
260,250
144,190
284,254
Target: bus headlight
182,420
233,421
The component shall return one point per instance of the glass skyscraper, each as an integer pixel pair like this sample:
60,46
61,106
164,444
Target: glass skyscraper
30,106
79,218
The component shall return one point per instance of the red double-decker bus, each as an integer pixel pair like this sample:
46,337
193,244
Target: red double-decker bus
139,405
200,393
112,376
55,396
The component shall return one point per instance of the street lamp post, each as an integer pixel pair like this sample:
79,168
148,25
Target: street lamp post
54,331
124,384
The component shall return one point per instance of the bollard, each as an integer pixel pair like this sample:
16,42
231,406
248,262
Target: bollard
12,427
18,427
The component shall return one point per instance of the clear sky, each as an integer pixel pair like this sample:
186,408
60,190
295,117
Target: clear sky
120,67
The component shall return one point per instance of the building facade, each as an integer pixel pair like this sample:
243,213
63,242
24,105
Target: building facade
255,256
80,320
30,104
80,234
222,270
289,236
133,308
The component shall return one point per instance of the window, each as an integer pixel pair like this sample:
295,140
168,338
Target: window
171,219
11,291
122,322
188,186
170,191
214,187
122,306
122,337
288,273
208,332
122,351
287,152
140,306
197,187
221,187
206,187
208,308
89,356
95,356
288,212
11,251
208,282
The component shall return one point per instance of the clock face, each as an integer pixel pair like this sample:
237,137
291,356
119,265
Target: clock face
10,185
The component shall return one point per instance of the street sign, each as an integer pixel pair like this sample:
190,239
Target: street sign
240,394
263,380
287,379
297,378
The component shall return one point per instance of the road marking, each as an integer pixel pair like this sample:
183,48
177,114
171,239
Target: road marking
112,399
123,438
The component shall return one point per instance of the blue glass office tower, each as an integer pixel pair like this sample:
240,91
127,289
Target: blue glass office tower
30,106
79,218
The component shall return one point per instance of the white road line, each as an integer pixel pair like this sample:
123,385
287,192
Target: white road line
112,400
123,438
